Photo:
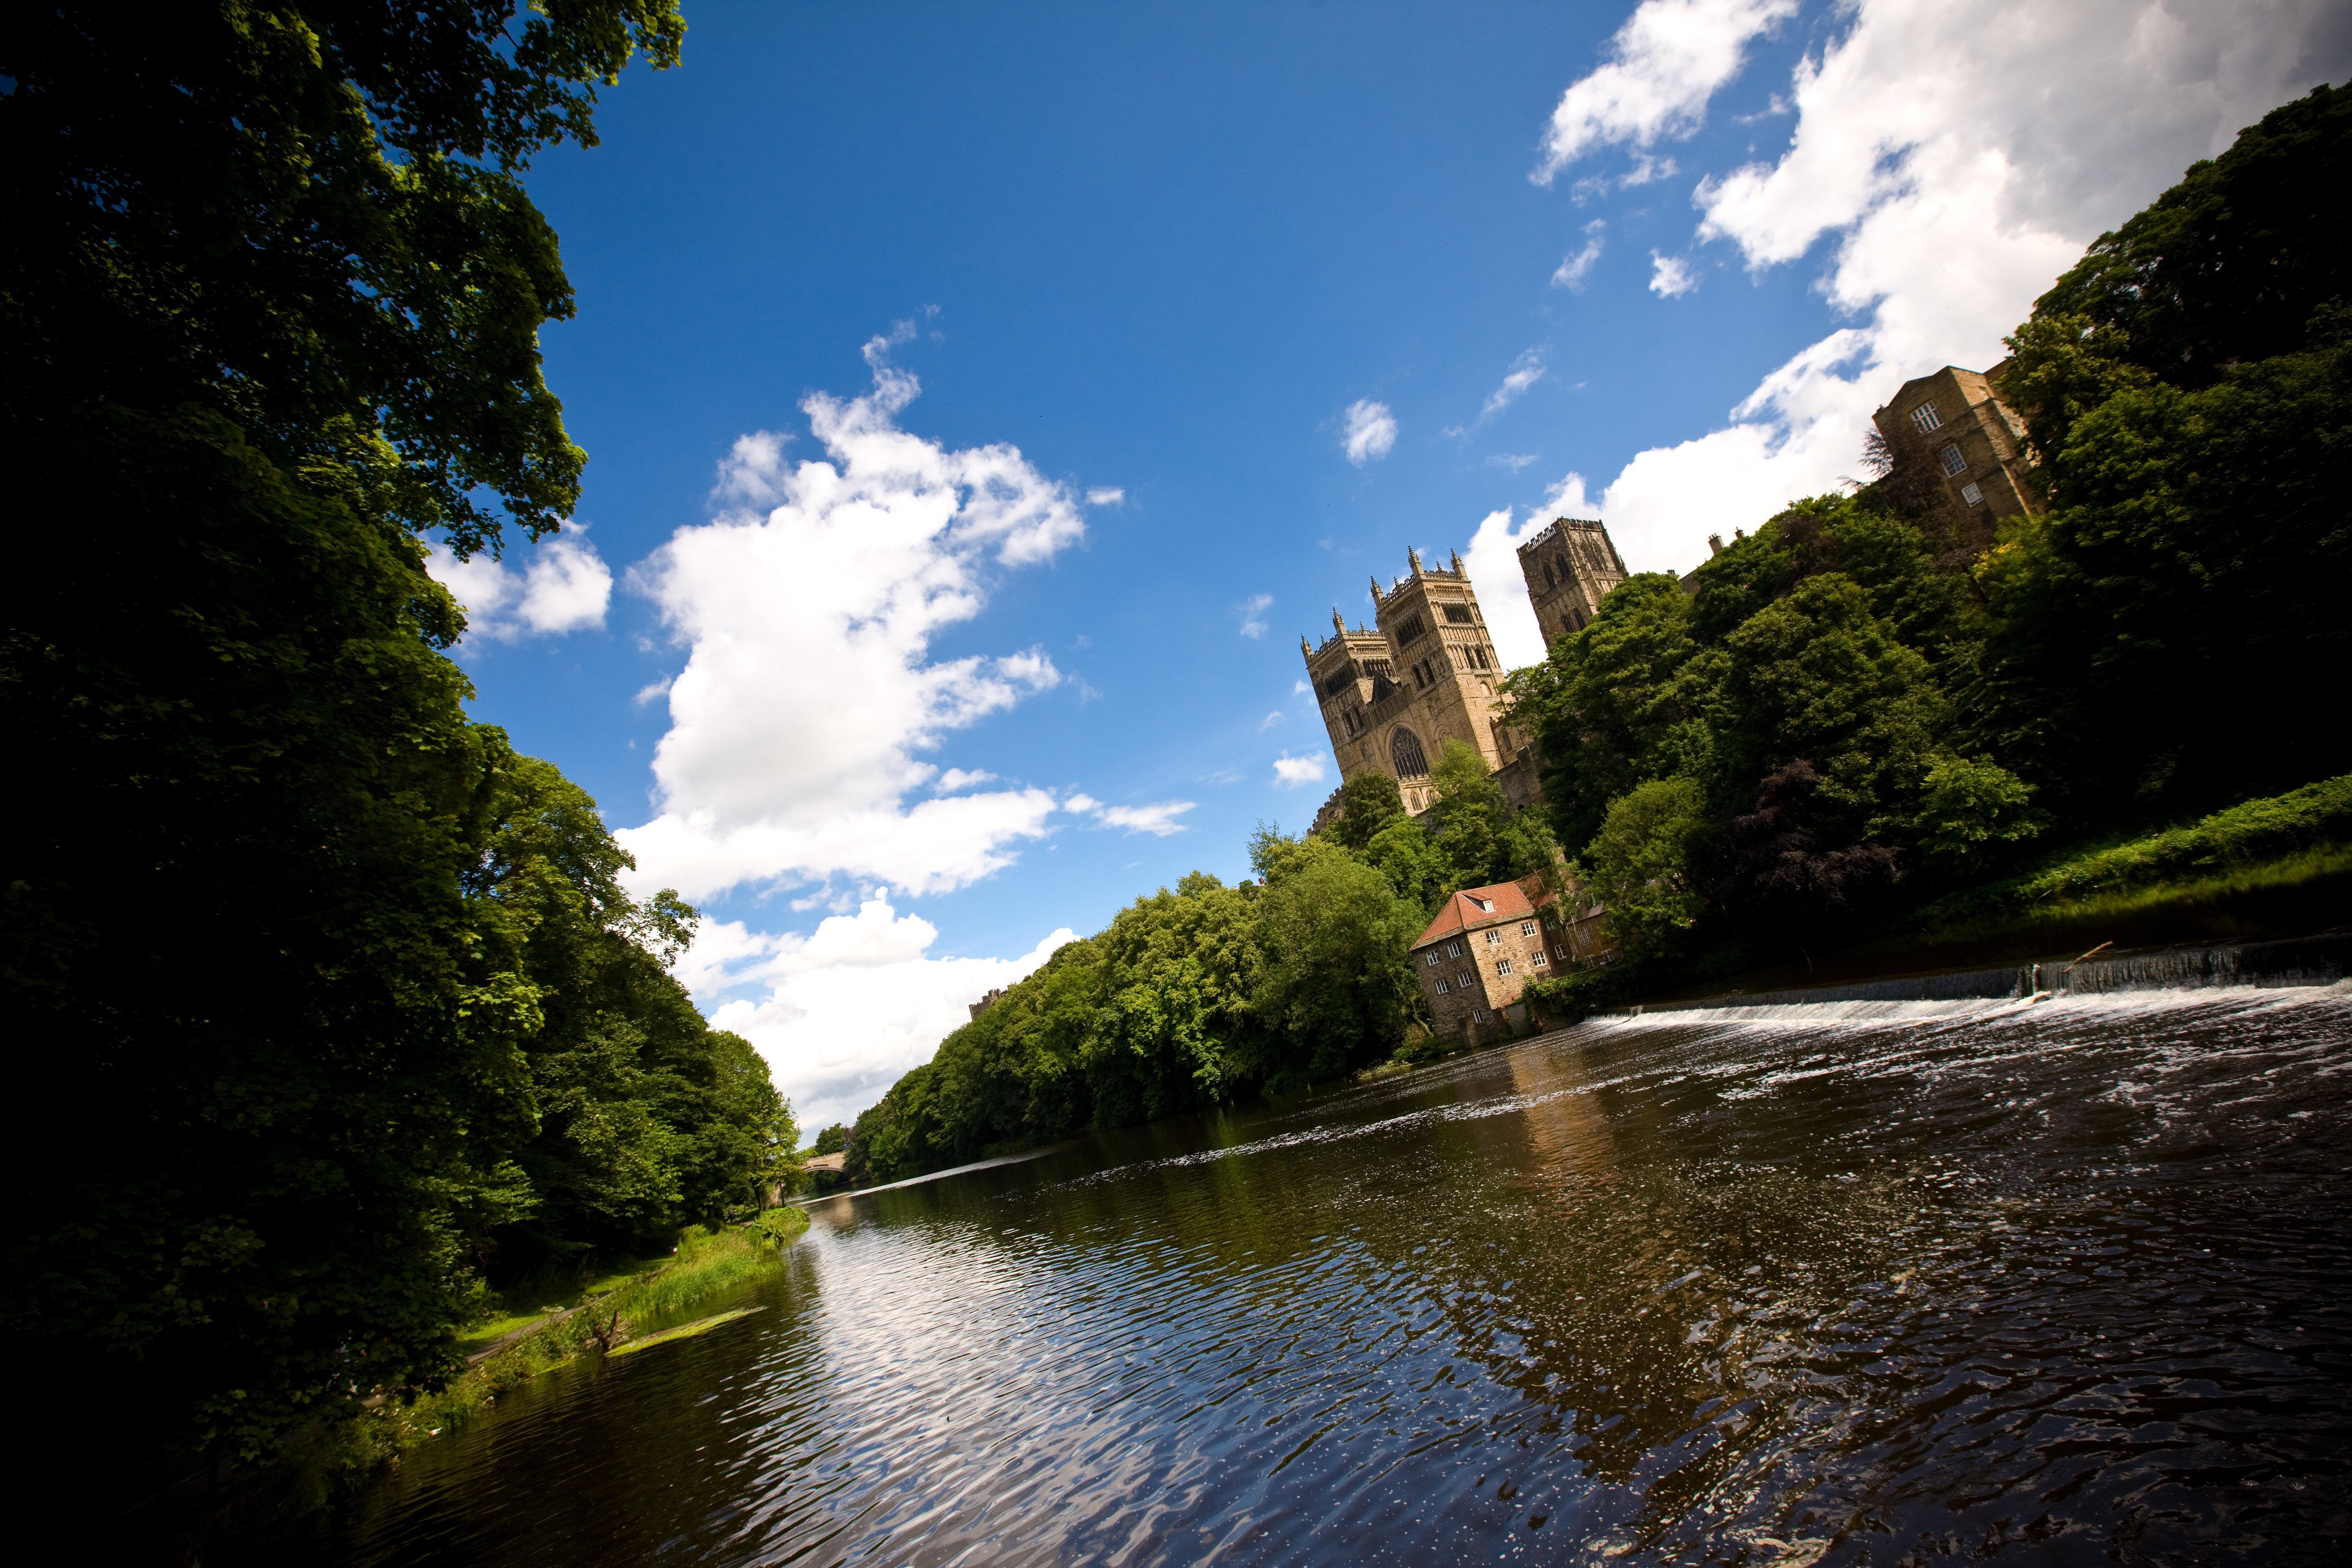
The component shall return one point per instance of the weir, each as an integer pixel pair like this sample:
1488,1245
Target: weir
2322,959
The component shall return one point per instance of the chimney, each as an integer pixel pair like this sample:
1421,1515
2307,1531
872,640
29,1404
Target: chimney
1714,544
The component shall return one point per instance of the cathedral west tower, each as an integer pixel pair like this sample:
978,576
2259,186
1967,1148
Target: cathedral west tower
1424,673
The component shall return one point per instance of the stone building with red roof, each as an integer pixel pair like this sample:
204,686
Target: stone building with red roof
1475,959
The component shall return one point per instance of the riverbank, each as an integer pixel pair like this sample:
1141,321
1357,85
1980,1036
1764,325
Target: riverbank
502,1354
2270,868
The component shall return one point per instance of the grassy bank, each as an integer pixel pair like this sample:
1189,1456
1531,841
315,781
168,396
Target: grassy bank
2277,866
612,1312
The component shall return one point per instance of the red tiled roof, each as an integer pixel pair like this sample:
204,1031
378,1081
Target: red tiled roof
1462,911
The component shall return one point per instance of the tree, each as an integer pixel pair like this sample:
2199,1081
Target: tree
1622,702
1646,865
1367,803
269,297
2226,268
1337,985
1474,827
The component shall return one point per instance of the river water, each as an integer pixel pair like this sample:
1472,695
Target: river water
1927,1282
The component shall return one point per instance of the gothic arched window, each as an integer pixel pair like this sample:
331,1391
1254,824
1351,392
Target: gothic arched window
1404,749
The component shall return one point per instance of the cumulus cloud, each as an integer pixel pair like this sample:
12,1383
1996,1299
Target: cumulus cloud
1671,276
1290,772
1106,495
1252,612
842,1011
1663,67
963,778
1493,561
807,607
1959,161
1525,372
1158,819
1368,431
566,588
1577,265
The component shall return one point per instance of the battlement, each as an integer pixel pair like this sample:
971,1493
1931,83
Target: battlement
1391,696
1571,565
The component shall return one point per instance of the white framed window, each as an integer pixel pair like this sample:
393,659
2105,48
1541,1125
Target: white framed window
1527,927
1443,988
1478,1014
1972,493
1465,979
1485,904
1433,958
1926,417
1560,953
1536,961
1452,950
1494,936
1952,460
1502,966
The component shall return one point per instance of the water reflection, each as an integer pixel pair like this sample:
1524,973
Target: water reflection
1909,1282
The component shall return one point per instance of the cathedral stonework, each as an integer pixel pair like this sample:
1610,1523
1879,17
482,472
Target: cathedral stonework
1569,567
1423,674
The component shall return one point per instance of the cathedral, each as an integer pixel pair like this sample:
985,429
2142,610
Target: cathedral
1425,673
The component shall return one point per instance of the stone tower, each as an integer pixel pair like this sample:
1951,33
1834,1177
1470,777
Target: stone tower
1424,673
1569,567
1977,444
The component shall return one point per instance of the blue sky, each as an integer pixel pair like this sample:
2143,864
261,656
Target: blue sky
1140,263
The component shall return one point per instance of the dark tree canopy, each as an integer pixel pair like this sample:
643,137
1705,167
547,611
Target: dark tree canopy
327,982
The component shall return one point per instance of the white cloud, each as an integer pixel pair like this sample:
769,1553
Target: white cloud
1371,430
849,1007
1252,611
1106,495
1663,65
1300,687
807,606
566,588
963,778
1566,499
1525,372
1670,276
653,690
1514,462
1290,772
1960,159
1159,819
1269,721
1493,561
1577,265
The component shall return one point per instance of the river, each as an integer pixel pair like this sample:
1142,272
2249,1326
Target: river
1924,1282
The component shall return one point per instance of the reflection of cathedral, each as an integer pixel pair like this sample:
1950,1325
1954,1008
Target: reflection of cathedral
1426,673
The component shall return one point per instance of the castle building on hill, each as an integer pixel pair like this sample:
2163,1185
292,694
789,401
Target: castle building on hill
1424,673
1570,566
1976,443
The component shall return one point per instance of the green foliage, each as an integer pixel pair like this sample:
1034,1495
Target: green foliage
1647,863
1194,997
1622,701
1969,806
2315,816
1367,803
830,1140
269,298
2226,268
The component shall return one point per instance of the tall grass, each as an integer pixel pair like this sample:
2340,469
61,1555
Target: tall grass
707,1266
